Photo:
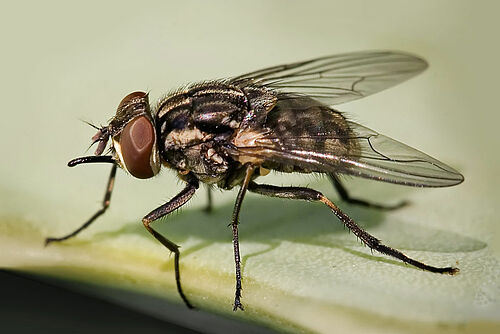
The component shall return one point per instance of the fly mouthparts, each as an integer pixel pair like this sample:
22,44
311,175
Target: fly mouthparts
100,148
102,137
91,159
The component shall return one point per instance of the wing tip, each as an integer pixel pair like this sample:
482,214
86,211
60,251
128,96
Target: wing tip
450,180
458,179
419,62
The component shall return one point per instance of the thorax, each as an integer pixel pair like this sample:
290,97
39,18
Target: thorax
194,124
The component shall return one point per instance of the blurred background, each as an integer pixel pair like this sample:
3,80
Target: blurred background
63,62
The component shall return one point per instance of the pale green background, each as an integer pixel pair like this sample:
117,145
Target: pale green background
63,61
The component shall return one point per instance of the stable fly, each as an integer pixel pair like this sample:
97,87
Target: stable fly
229,132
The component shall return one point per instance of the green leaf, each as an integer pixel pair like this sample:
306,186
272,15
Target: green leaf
302,270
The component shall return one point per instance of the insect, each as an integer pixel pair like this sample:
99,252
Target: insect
229,132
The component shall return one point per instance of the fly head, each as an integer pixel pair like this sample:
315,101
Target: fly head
133,138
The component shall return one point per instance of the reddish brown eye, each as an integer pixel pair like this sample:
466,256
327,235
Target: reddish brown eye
136,142
130,97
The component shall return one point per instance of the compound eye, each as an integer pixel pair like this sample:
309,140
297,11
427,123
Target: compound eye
136,142
130,97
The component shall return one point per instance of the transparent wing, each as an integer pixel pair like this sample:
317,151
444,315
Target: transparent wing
376,157
339,78
302,135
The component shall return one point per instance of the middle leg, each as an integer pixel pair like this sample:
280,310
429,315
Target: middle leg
236,245
208,207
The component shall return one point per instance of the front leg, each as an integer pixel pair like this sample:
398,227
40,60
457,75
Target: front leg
105,202
172,205
369,240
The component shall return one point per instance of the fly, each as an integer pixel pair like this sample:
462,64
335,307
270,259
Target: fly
229,132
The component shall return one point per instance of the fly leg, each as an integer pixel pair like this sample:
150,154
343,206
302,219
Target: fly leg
172,205
236,245
105,204
344,195
208,208
369,240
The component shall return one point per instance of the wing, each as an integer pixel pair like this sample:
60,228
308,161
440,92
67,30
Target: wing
339,78
315,138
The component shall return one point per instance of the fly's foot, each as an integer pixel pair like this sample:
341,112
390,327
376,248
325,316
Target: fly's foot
49,240
207,209
237,305
449,270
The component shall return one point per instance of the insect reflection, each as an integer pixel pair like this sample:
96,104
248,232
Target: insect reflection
229,132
